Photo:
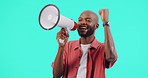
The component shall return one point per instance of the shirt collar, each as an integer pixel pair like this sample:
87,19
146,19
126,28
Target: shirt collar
94,44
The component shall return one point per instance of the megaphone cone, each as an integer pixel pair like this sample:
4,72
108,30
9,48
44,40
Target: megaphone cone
50,17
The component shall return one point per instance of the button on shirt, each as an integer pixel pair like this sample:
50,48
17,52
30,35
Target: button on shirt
96,63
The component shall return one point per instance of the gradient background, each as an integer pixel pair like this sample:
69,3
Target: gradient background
27,51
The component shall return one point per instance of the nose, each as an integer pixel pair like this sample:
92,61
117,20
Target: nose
82,22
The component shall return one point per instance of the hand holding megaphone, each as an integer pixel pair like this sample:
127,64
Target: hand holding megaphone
62,37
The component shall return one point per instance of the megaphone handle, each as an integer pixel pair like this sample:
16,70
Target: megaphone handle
67,29
61,41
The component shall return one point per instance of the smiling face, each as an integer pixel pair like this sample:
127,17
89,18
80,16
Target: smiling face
88,23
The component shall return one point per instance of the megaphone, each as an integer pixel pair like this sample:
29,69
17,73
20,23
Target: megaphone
50,17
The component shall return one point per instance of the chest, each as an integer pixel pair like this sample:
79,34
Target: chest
93,55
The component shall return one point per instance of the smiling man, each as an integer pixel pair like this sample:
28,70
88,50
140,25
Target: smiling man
86,57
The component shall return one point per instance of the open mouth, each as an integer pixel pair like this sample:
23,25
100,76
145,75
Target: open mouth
83,28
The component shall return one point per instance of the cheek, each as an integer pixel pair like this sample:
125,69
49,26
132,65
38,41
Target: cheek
91,24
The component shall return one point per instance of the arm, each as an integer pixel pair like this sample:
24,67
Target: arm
58,63
110,51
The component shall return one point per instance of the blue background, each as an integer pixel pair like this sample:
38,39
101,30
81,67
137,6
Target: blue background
27,51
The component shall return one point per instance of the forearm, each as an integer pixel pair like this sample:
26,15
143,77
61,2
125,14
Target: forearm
58,64
110,51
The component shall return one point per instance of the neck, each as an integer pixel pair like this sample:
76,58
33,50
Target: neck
87,40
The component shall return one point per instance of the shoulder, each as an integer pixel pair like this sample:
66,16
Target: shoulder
97,44
73,41
101,45
72,44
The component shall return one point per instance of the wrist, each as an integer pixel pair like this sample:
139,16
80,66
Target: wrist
106,23
61,46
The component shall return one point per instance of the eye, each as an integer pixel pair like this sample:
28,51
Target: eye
88,20
80,20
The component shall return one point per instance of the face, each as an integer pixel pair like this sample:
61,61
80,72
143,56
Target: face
87,24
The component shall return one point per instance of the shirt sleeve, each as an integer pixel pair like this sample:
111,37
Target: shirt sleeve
64,58
107,63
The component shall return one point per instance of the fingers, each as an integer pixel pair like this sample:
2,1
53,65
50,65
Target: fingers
100,11
65,32
104,13
62,37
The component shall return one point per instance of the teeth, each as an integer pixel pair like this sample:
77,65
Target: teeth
83,27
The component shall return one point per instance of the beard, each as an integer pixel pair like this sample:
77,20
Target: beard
89,32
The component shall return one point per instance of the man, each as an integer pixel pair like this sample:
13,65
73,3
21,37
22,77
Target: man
86,57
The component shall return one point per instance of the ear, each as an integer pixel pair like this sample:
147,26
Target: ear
97,26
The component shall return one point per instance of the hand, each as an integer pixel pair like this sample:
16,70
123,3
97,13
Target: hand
62,37
104,13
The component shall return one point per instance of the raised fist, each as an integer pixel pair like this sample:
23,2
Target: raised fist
104,13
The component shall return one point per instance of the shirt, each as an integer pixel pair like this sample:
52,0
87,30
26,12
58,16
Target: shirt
96,62
83,62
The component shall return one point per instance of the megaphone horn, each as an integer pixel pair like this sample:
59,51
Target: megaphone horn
50,17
